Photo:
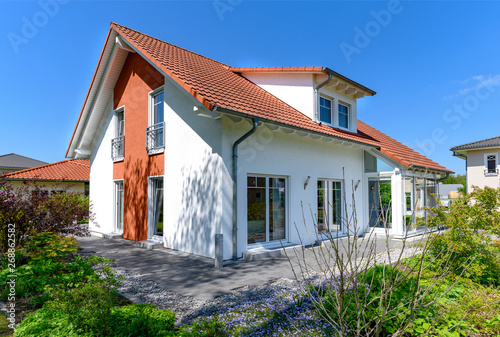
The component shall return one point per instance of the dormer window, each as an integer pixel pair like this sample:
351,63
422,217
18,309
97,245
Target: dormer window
343,116
325,110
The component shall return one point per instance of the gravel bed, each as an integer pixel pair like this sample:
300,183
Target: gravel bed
187,308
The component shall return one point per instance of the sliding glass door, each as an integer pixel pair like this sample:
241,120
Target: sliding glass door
266,209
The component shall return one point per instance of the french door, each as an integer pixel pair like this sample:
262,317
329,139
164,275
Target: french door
266,209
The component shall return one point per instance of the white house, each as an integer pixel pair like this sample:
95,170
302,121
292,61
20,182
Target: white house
183,147
481,161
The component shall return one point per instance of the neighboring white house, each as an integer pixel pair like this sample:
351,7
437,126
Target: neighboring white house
183,147
481,161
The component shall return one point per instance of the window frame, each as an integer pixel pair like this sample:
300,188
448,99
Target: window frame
152,188
267,187
486,160
116,183
348,106
328,209
152,95
332,104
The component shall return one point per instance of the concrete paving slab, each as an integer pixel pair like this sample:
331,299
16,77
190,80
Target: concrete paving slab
196,276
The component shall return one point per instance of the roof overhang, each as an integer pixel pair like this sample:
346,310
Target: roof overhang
111,61
291,129
462,153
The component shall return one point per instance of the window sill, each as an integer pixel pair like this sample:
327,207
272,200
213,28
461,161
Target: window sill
119,159
155,151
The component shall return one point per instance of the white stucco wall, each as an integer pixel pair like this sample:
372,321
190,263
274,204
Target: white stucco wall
297,89
101,175
276,153
195,183
476,167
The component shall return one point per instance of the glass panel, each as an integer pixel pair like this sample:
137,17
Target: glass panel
492,164
336,206
159,208
420,203
276,208
343,116
119,205
256,211
322,206
380,203
325,110
120,124
431,193
158,108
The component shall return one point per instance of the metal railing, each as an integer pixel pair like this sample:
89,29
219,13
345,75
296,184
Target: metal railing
118,148
155,141
489,172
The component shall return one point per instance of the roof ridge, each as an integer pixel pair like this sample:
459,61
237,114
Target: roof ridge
170,44
475,142
20,155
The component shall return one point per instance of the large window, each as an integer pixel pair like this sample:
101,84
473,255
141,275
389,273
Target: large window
343,116
155,141
119,199
325,110
491,163
266,209
329,206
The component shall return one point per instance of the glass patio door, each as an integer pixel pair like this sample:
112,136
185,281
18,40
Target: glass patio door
266,209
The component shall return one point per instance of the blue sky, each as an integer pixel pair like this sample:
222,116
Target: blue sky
434,64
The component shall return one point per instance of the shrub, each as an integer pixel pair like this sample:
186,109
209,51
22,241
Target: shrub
32,211
142,320
471,222
61,318
48,265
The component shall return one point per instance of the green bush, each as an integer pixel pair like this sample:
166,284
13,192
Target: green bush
142,320
47,265
471,221
204,327
131,320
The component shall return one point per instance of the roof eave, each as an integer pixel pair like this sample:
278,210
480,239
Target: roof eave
270,121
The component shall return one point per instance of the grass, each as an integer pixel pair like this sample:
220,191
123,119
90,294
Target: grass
5,331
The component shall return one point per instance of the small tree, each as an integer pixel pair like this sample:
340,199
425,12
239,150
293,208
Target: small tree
29,209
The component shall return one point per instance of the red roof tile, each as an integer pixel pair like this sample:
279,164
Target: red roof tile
216,85
397,151
67,170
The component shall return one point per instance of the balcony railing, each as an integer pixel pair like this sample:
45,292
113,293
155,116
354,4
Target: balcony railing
117,148
155,141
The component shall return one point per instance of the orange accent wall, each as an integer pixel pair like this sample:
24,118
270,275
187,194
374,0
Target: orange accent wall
136,80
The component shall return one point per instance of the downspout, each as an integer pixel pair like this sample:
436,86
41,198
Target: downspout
235,185
316,93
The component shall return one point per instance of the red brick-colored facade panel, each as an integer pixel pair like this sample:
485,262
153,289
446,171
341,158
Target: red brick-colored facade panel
137,79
